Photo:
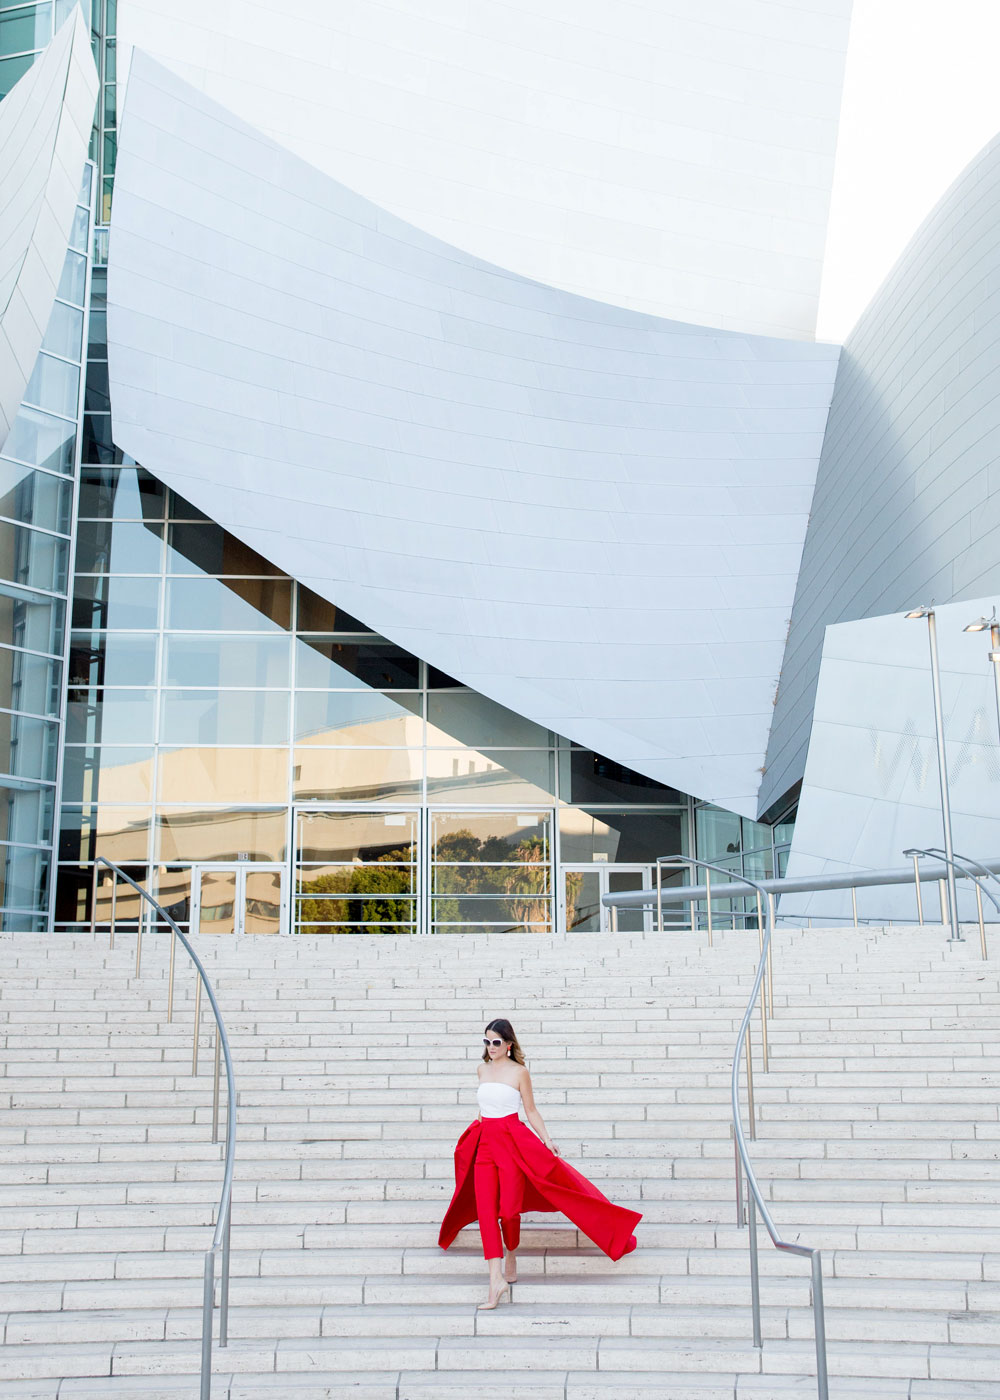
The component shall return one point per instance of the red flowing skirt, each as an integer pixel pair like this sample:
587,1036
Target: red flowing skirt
548,1184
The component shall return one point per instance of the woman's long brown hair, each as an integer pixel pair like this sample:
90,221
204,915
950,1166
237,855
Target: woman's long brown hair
505,1031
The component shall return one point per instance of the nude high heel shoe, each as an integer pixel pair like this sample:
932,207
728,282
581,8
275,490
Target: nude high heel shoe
491,1302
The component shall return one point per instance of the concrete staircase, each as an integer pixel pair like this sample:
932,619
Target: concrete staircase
879,1142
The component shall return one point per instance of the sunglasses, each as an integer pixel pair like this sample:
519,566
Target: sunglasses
495,1043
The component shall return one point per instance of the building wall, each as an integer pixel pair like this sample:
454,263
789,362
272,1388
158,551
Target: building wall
907,502
592,516
671,156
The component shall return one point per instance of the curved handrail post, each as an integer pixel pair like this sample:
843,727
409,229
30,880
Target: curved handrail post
968,868
223,1217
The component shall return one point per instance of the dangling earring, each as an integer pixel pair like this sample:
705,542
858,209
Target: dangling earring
508,1052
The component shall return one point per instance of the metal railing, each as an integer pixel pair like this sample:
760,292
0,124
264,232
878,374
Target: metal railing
754,1197
223,1219
965,865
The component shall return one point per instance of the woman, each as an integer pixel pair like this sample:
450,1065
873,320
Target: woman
502,1168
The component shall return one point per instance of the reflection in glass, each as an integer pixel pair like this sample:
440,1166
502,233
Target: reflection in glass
195,776
364,717
30,683
220,834
24,877
29,27
463,717
317,615
583,901
588,777
73,281
35,497
54,385
492,777
365,914
232,605
339,664
208,549
213,660
347,838
75,891
173,891
41,440
11,70
358,775
112,658
110,716
28,746
120,493
216,901
628,836
27,620
180,509
119,602
97,444
262,901
120,833
116,775
26,814
520,914
96,390
104,547
491,836
32,558
224,717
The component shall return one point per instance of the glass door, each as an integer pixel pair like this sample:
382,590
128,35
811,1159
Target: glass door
584,887
237,899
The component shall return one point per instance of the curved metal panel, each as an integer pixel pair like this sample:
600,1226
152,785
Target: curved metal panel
590,515
675,157
907,506
45,123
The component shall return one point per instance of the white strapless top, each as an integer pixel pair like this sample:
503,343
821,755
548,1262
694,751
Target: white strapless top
498,1100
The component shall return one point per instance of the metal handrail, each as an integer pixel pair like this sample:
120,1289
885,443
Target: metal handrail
961,863
755,1199
223,1220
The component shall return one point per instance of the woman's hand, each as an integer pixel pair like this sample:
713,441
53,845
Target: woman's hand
552,1147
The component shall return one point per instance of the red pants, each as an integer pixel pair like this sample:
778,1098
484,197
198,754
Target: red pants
499,1185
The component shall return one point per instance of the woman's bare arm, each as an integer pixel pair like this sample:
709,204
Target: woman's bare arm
532,1114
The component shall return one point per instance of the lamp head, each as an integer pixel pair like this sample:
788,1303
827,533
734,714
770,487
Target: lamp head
982,624
920,612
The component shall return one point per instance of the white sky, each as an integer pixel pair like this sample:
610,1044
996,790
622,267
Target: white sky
921,97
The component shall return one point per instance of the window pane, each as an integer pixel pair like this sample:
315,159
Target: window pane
110,716
624,836
120,833
213,660
224,717
341,838
197,835
355,916
195,776
491,879
236,605
35,498
327,663
54,385
516,915
28,746
180,509
110,774
24,877
365,717
74,891
98,445
358,775
42,441
97,330
588,777
117,602
583,900
26,814
491,836
103,547
120,493
26,28
462,717
491,777
30,682
74,279
10,70
719,833
96,393
31,558
64,333
79,235
387,876
208,549
317,615
25,622
112,658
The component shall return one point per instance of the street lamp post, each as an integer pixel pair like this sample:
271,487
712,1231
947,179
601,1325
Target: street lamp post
992,623
956,932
